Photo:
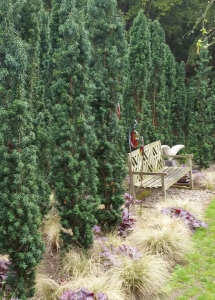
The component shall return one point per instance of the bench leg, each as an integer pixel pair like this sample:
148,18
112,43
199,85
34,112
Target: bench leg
191,174
163,188
164,193
191,179
133,194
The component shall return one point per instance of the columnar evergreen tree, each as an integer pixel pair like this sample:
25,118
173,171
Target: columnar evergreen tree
165,116
73,168
200,134
161,84
157,83
20,216
107,65
139,58
179,107
42,104
33,23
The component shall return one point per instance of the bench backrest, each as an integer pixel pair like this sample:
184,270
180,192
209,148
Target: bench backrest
151,160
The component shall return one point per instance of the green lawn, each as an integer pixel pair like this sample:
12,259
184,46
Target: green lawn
196,280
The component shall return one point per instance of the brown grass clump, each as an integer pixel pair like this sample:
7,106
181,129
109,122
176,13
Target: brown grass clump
142,278
209,182
163,236
51,231
97,281
205,180
76,264
45,288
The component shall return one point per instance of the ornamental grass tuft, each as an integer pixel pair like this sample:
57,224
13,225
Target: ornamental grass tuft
97,281
143,278
76,264
51,231
163,236
45,288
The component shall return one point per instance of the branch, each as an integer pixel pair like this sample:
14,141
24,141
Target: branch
205,33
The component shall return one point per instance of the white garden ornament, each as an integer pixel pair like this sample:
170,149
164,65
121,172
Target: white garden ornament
171,151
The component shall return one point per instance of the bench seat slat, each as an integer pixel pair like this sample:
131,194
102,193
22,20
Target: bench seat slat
154,181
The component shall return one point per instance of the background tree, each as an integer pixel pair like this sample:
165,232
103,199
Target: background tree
107,67
73,168
181,21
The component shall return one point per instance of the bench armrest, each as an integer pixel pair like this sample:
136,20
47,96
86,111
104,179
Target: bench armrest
149,173
180,156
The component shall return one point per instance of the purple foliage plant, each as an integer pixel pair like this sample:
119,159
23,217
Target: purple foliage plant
110,254
127,223
187,217
82,294
4,268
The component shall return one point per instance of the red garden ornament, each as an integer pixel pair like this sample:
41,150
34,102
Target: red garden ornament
134,139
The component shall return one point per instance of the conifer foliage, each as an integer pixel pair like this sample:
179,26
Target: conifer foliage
179,107
161,83
200,108
107,67
30,27
73,168
139,58
20,216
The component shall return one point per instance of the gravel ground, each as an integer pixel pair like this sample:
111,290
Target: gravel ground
199,196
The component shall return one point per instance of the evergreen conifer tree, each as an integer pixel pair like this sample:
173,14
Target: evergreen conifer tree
201,103
165,116
20,216
42,106
107,67
139,58
33,24
73,168
161,84
178,107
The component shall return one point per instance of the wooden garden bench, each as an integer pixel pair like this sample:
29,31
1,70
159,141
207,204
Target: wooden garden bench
148,170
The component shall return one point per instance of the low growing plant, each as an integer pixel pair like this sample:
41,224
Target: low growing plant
45,288
97,281
4,268
127,223
75,263
188,218
83,294
163,236
185,204
112,255
4,272
143,278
